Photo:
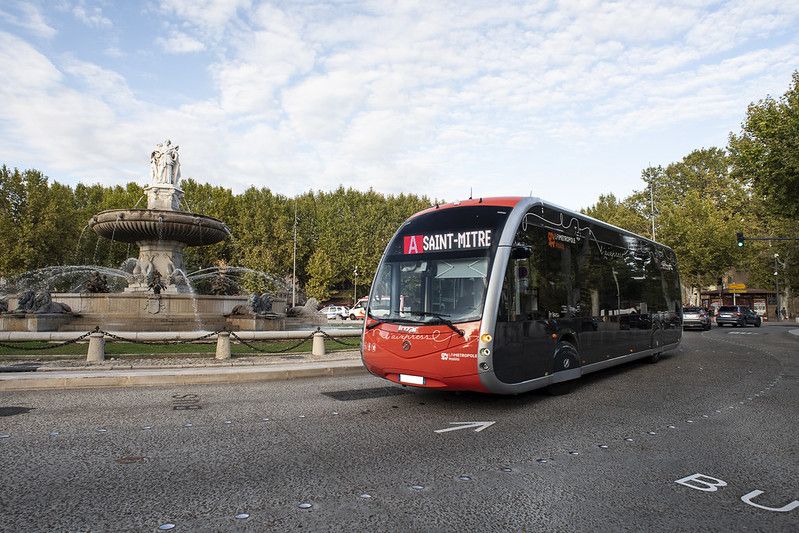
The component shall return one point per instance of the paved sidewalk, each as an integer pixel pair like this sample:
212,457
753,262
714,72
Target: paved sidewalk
74,374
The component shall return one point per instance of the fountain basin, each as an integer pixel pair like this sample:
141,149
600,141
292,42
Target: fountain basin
167,312
135,225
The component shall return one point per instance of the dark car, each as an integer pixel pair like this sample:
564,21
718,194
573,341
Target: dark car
696,317
737,315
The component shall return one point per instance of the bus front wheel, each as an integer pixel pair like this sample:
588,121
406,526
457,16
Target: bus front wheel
566,359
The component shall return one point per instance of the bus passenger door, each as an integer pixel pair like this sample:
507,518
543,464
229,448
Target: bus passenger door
522,344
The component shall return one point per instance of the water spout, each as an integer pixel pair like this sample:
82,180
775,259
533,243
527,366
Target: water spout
80,237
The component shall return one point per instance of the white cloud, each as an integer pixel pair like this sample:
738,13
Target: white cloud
208,14
265,60
179,43
23,67
99,82
91,16
28,17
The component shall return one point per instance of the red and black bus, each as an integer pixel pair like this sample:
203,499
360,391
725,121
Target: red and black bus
505,295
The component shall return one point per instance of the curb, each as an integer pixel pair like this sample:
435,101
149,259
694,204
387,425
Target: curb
183,376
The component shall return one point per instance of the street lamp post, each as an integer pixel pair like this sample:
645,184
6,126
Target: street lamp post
652,200
777,264
294,259
355,290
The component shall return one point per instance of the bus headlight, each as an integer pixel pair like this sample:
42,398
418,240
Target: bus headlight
486,337
485,351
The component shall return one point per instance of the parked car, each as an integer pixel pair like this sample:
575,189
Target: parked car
335,311
737,315
696,317
358,311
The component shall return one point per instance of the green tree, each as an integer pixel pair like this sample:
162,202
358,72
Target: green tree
213,201
623,214
37,221
765,155
701,235
766,152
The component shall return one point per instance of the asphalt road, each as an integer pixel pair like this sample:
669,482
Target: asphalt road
290,456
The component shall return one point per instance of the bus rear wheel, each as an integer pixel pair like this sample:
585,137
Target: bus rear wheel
657,341
566,358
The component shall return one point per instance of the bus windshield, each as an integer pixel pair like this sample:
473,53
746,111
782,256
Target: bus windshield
429,291
436,267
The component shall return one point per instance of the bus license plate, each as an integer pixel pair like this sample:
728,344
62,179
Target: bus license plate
413,380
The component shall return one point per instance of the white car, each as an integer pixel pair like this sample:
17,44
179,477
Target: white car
358,312
334,311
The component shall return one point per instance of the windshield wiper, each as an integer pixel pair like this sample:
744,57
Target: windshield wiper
441,318
388,321
374,324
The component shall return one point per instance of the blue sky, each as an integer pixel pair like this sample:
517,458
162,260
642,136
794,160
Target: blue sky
568,100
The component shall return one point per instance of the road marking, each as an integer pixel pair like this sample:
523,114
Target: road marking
747,498
702,482
742,333
706,483
479,426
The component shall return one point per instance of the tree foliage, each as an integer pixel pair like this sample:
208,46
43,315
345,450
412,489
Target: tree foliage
766,152
624,214
765,155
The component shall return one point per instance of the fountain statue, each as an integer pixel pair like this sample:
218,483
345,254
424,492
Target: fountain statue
96,283
39,303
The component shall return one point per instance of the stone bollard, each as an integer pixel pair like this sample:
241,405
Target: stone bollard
318,347
96,353
223,345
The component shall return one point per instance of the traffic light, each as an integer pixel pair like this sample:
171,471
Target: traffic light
740,239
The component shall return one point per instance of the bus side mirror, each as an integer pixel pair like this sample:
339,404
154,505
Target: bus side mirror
520,252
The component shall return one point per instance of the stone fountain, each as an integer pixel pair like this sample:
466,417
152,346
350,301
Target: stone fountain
159,295
161,231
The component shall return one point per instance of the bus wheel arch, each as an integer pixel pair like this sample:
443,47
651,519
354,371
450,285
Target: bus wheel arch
566,356
656,344
565,360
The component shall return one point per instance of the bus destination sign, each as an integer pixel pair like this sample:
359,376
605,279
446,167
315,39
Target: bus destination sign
440,242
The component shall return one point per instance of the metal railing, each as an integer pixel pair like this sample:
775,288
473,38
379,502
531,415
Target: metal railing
224,338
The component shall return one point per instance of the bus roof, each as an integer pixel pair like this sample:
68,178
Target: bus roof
499,201
529,201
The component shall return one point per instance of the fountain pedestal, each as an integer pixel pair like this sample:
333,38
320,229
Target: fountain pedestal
164,256
163,196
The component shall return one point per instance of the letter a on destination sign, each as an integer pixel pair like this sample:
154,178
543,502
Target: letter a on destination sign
702,482
412,244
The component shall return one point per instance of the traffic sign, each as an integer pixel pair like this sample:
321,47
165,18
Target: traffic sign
736,286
